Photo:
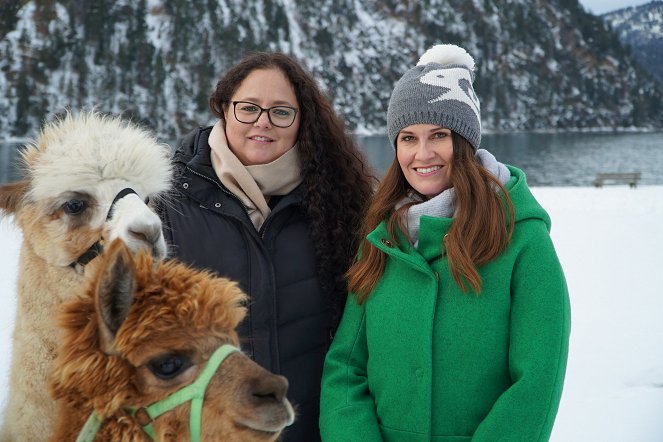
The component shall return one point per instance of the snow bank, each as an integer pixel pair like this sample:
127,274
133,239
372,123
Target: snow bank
610,244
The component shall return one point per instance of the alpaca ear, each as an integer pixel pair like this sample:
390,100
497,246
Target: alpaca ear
11,195
114,292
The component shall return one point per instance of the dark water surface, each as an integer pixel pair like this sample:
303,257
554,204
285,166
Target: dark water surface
548,159
559,159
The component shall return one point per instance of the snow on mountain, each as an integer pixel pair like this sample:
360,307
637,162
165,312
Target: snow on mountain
641,28
541,64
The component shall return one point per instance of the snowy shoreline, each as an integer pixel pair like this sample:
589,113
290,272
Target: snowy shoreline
610,244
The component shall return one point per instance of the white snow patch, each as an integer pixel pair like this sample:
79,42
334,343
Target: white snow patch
610,244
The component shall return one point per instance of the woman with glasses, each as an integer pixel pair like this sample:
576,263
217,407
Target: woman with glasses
458,325
272,196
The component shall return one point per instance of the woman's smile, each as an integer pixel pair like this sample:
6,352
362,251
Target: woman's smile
427,171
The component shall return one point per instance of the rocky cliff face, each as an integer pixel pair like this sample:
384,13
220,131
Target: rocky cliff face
541,64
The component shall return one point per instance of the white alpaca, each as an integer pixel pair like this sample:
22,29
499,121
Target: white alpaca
66,206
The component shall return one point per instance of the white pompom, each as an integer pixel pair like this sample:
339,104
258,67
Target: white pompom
446,55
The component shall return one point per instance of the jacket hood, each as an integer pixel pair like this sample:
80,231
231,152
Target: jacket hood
193,149
525,205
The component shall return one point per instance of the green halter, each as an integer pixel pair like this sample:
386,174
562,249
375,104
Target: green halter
194,392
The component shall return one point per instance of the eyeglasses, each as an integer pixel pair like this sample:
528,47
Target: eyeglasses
279,116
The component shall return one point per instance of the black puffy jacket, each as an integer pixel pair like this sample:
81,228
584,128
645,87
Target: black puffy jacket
289,323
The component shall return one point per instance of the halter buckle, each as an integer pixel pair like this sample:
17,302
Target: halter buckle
143,417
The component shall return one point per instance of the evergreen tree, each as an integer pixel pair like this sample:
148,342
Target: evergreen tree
8,16
23,92
204,73
141,51
157,101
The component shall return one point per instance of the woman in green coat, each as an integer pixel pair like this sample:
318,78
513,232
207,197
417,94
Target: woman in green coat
458,326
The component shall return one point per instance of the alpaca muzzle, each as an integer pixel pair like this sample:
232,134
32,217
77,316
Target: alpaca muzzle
194,392
95,249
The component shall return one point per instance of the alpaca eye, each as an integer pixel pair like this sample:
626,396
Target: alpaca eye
169,366
74,207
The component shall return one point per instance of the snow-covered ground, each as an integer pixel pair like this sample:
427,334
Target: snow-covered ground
610,243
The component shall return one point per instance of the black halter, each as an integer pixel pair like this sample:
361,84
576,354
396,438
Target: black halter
95,249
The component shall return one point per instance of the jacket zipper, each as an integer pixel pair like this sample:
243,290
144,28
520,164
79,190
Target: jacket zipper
276,358
230,194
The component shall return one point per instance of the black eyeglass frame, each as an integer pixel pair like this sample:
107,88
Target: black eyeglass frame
268,110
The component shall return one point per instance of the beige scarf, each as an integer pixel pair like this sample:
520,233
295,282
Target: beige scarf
253,185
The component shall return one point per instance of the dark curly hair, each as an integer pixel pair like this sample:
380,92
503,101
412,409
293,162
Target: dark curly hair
337,179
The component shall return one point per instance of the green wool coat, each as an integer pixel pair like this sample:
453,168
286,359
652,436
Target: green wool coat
423,361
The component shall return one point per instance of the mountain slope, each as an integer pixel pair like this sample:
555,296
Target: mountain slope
641,28
541,64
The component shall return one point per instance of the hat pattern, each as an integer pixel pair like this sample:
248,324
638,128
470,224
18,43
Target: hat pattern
457,85
438,90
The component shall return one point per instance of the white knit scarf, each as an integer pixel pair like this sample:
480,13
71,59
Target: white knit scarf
253,185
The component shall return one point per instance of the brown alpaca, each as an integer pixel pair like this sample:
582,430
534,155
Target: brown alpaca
73,172
145,329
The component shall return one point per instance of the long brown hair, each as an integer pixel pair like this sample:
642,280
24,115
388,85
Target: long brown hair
337,180
482,228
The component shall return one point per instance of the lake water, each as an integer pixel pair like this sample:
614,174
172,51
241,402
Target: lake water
548,159
559,159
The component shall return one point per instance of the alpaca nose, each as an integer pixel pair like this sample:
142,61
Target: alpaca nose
148,236
268,389
147,233
139,227
263,395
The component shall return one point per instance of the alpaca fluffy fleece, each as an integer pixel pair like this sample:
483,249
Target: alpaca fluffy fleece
83,155
174,308
78,152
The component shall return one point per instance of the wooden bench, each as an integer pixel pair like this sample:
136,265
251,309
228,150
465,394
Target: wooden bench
630,178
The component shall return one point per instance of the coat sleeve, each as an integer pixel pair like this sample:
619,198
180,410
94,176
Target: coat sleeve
347,409
538,346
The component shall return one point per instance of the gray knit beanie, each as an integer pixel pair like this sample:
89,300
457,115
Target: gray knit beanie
438,90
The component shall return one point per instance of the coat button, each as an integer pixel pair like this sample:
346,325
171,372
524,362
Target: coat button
185,185
387,243
419,373
217,205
